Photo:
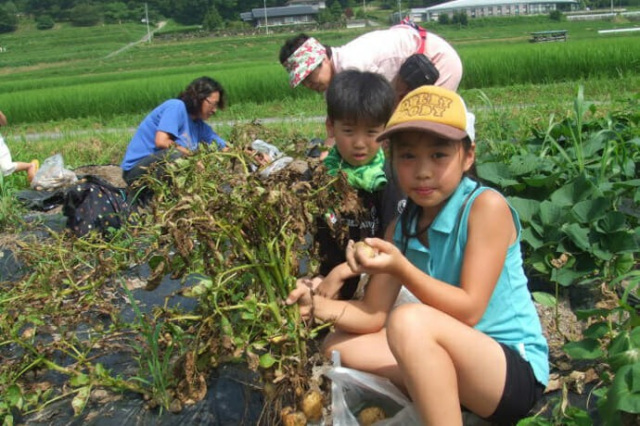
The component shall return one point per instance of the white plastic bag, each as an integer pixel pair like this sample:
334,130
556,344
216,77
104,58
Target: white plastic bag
353,390
266,148
52,174
275,166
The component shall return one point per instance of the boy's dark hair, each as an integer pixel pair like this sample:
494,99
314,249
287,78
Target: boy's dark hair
292,44
199,90
360,96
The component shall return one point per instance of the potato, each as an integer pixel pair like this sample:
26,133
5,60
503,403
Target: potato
370,415
312,405
292,418
364,249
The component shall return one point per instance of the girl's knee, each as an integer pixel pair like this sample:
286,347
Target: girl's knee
330,343
408,323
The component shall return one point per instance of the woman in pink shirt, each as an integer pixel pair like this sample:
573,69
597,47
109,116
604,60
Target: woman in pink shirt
383,52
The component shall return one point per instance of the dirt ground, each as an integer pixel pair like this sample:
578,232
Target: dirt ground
111,173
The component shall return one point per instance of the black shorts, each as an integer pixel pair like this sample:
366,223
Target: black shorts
521,390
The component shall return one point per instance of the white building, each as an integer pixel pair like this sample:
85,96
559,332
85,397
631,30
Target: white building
491,8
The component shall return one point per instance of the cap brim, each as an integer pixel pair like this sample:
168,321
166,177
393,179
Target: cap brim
437,129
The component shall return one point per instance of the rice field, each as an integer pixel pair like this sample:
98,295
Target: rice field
67,75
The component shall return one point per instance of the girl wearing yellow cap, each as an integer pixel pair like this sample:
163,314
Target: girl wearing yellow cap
447,315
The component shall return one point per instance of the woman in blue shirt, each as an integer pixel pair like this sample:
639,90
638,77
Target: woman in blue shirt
467,332
177,123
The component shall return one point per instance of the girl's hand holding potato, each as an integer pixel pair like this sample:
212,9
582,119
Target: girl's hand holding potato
372,256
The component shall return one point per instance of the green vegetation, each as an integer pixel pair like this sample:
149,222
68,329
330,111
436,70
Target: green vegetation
52,79
566,157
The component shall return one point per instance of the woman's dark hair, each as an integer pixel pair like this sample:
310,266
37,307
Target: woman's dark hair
292,44
199,90
411,211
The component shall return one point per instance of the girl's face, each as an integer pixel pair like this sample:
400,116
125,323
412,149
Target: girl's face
320,77
209,105
429,168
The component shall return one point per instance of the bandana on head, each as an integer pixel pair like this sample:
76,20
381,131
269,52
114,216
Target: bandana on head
304,60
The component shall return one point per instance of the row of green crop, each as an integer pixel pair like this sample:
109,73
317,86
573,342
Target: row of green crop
70,51
550,62
106,95
107,99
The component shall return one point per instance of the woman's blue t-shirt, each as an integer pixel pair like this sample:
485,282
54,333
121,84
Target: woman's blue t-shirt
171,117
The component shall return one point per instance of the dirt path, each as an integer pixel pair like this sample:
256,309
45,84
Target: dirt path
146,38
34,137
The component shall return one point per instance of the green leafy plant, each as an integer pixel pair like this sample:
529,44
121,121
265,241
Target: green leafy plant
568,183
245,235
613,340
155,362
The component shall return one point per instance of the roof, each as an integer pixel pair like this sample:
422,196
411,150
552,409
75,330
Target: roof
275,12
462,4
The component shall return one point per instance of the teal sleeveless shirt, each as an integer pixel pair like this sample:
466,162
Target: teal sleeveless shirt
510,317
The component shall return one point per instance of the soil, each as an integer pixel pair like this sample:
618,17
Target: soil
111,173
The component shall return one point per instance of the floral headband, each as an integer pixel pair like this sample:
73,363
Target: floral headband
304,60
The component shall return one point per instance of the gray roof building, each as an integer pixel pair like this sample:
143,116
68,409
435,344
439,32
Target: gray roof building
283,15
490,8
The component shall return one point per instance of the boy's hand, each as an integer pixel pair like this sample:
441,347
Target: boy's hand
302,295
386,258
329,287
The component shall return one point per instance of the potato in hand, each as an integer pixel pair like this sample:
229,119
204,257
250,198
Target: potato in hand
365,250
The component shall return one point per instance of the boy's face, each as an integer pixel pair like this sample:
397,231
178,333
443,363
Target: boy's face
356,142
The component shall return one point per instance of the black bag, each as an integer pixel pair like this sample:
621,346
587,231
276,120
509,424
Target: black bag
94,204
43,200
417,70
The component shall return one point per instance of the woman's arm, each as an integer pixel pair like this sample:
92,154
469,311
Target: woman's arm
166,140
490,232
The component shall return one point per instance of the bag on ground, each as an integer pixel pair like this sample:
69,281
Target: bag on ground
94,205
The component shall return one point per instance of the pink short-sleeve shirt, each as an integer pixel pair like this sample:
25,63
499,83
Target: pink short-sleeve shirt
384,51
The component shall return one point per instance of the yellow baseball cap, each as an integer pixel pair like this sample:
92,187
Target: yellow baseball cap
432,109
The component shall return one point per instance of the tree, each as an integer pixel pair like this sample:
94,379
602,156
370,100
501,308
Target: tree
44,22
324,16
8,21
84,15
336,10
460,18
116,13
11,8
348,12
443,19
189,12
556,15
213,20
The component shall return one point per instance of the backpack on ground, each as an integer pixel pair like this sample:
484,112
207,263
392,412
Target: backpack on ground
93,204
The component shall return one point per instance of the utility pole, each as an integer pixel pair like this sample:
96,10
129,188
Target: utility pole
266,23
399,11
146,18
